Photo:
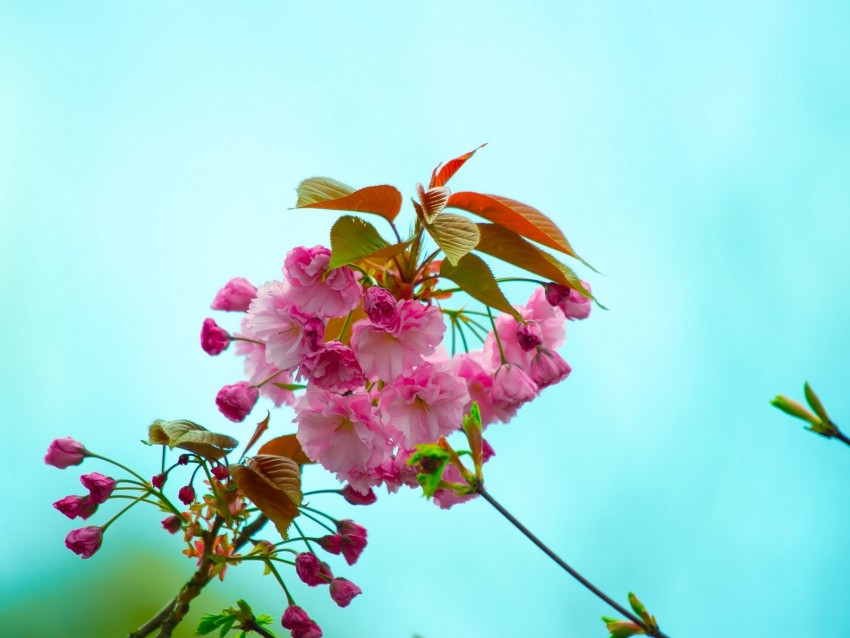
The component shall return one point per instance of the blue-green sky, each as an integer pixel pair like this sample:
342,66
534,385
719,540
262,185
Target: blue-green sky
698,155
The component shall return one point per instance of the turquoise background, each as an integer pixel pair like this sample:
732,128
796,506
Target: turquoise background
697,155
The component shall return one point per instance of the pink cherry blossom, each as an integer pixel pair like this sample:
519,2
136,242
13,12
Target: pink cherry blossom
352,540
299,623
529,336
385,352
186,494
343,590
316,290
237,400
548,368
572,303
475,369
333,367
381,307
235,295
74,506
331,543
290,335
424,405
98,485
307,568
356,497
171,524
447,498
340,432
65,452
84,541
258,369
214,338
512,387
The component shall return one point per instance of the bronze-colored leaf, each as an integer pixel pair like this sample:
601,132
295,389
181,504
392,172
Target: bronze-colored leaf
192,437
455,235
475,279
287,446
273,484
433,201
261,428
443,173
327,193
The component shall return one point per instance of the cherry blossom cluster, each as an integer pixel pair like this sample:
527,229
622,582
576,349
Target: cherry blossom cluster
376,387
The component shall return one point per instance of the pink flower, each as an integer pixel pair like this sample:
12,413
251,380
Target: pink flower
237,400
84,541
512,387
544,322
98,485
340,432
159,480
548,368
352,540
331,543
299,623
343,590
214,338
572,303
172,524
356,497
478,374
290,334
65,452
447,498
386,352
307,568
258,369
316,290
220,472
186,495
333,367
529,336
425,405
74,506
381,307
236,295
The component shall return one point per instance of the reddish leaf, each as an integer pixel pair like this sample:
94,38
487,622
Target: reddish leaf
287,446
475,279
443,174
433,202
262,426
516,216
327,193
273,484
506,245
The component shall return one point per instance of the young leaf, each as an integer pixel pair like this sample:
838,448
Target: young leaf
433,202
508,246
287,446
455,235
475,279
473,429
327,193
516,216
273,484
353,238
814,402
443,174
261,428
190,436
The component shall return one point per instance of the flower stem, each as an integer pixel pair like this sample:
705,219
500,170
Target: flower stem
572,572
117,464
496,335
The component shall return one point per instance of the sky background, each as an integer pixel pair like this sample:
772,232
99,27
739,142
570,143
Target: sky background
697,155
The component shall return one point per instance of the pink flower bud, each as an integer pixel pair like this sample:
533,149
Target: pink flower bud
172,524
84,541
65,452
325,574
352,541
487,451
556,293
214,338
307,568
159,480
74,506
220,472
512,387
548,368
237,294
98,485
186,495
236,401
343,590
183,459
576,305
356,498
299,623
330,543
314,333
529,335
380,306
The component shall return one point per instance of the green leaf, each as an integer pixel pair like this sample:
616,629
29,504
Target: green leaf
473,429
815,404
226,626
209,623
795,409
289,386
432,460
190,436
353,238
475,278
455,235
327,193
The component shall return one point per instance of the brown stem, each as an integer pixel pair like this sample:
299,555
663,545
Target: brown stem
572,572
255,626
154,622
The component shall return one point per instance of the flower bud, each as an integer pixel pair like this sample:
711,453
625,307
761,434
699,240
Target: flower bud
65,452
325,574
214,338
183,459
84,541
186,494
236,401
380,306
159,480
236,294
529,335
343,590
555,293
98,485
172,524
307,568
330,543
512,387
74,506
356,498
352,541
220,472
299,623
548,368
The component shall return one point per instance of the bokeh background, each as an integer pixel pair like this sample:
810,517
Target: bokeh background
697,155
